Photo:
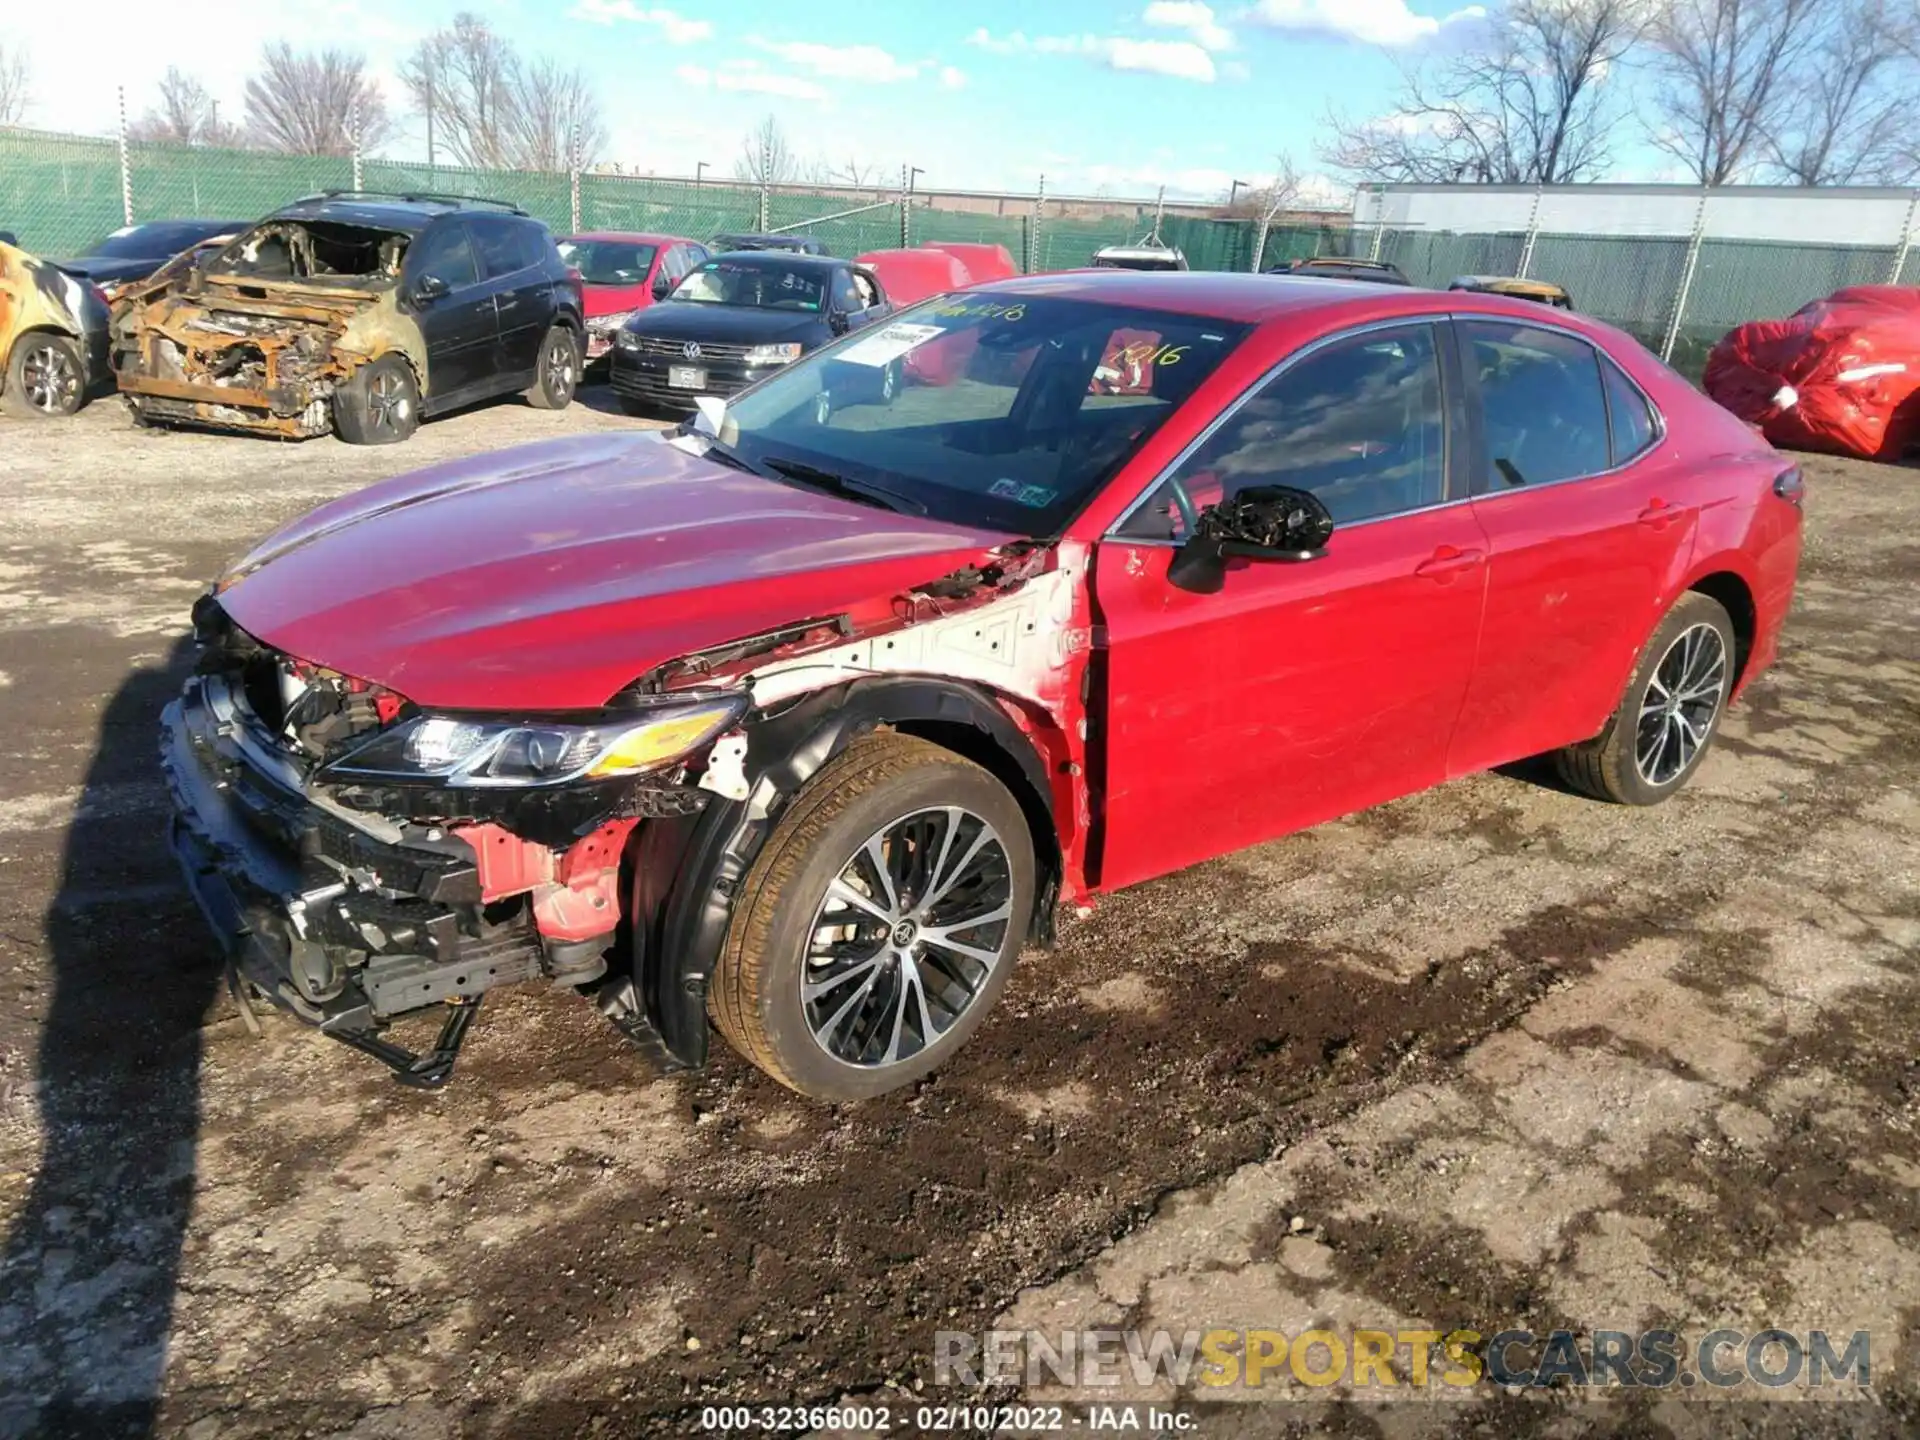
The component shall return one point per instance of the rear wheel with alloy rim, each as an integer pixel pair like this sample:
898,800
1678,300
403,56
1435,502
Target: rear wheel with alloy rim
879,924
559,373
45,376
1669,714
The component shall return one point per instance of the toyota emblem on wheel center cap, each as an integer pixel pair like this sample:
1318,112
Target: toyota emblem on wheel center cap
691,350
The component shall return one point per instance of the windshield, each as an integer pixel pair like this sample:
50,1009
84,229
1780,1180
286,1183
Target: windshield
147,242
766,284
1005,412
609,262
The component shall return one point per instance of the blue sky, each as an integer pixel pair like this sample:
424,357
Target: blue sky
979,94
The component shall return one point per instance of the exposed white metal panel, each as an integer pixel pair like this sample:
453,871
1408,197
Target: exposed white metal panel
1830,216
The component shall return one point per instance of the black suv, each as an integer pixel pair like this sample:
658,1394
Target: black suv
357,312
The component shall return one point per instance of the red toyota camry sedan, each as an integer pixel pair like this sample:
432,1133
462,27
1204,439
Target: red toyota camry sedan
800,721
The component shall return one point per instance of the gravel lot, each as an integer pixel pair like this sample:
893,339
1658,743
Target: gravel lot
1490,1056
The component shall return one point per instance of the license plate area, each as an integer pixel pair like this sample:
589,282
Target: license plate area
686,377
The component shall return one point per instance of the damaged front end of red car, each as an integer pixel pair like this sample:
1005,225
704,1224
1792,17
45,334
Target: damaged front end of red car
363,859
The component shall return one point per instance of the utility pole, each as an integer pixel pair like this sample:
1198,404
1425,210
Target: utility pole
353,137
428,63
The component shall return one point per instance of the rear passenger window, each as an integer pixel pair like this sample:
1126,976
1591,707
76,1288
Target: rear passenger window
1357,422
506,246
1540,393
1628,418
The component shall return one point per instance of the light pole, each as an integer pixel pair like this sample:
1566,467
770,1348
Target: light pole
913,174
699,169
1235,191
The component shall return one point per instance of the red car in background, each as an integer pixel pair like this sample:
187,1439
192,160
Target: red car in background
621,272
802,719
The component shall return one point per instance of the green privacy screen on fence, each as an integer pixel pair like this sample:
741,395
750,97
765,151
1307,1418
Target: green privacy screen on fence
59,193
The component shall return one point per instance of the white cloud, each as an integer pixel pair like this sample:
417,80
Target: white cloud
952,78
841,62
1181,59
750,77
1373,22
674,28
1193,17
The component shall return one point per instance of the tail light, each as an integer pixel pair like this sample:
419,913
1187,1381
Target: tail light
1791,486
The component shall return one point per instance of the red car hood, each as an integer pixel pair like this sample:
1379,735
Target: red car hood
549,576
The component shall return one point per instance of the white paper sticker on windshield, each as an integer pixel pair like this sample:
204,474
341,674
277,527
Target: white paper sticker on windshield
889,345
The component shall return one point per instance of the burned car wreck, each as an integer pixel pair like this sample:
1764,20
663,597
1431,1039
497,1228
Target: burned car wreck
354,314
53,336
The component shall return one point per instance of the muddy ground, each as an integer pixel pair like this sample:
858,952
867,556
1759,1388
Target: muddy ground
1490,1057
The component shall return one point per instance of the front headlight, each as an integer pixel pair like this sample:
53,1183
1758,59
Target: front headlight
480,754
604,323
773,354
627,340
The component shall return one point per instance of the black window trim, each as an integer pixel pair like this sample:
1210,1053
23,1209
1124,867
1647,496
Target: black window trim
1471,383
1459,428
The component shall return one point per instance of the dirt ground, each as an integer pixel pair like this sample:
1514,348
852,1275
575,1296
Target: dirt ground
1490,1057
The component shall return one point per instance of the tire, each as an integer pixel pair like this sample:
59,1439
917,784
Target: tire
46,376
379,404
557,374
893,798
1653,743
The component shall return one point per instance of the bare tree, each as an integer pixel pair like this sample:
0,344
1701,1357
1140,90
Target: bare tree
186,115
854,172
1527,106
491,108
15,90
1847,114
313,104
1726,69
765,156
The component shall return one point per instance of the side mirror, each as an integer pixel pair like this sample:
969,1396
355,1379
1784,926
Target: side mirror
1263,522
837,321
429,288
662,286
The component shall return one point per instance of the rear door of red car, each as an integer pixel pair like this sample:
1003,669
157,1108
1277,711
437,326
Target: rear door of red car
1300,691
1590,520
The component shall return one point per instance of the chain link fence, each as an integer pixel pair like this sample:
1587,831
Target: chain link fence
1677,294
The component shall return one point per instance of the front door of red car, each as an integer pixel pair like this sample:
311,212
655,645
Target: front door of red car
1300,690
1589,527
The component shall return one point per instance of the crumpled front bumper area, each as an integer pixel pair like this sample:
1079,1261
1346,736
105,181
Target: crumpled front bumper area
346,921
295,412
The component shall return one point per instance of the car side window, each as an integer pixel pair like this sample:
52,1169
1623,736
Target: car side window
846,295
1629,418
1545,414
1358,422
445,252
504,247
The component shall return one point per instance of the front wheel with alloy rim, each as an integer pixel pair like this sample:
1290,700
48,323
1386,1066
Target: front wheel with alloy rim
45,376
1670,713
559,373
379,404
879,924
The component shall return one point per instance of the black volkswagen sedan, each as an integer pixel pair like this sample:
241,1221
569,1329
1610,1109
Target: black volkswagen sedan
735,319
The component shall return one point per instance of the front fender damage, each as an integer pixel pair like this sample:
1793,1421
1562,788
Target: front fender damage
990,661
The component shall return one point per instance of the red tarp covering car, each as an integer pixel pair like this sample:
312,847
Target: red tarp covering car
911,276
1841,374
